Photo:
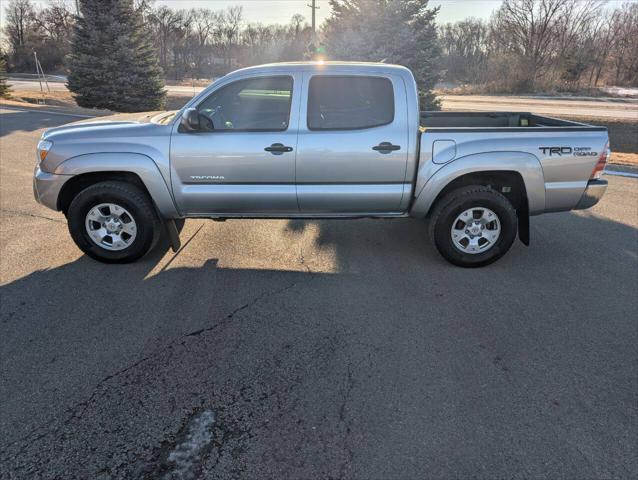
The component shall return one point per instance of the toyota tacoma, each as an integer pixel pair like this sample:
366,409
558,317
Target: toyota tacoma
317,140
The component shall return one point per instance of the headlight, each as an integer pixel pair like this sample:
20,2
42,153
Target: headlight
43,149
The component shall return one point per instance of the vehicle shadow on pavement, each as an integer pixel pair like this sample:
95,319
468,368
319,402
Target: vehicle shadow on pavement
393,365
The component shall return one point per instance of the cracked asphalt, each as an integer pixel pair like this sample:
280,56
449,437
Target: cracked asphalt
322,349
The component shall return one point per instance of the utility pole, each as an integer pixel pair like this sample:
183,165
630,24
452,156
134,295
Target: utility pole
77,7
314,16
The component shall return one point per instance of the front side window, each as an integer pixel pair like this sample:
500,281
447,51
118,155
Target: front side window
349,103
255,104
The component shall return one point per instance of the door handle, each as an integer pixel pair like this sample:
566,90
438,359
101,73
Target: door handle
386,147
278,148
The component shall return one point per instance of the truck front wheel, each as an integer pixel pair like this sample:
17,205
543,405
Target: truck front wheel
473,226
113,222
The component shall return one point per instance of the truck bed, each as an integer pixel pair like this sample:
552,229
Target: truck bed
559,154
515,121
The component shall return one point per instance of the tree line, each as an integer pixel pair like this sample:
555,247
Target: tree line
197,42
106,49
527,45
544,45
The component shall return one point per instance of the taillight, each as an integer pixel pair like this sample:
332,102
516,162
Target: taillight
600,164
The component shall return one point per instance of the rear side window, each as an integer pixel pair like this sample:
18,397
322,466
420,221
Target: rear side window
349,103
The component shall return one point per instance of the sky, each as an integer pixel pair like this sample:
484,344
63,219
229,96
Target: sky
280,11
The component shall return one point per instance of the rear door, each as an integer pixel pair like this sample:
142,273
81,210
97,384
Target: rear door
353,144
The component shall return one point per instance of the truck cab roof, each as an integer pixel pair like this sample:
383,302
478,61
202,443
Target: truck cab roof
325,67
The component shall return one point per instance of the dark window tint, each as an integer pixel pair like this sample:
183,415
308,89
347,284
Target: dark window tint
253,104
349,103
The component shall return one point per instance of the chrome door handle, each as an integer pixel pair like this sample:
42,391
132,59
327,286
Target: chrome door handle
386,147
278,148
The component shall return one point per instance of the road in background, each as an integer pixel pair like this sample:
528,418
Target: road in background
612,109
315,349
18,86
620,109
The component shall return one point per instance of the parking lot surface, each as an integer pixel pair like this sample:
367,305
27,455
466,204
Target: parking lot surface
315,349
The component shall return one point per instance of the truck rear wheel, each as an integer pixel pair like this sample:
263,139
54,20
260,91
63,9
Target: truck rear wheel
113,222
473,226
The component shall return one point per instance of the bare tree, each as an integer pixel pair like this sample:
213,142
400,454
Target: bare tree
528,28
19,21
204,21
560,44
604,37
56,21
297,22
166,22
465,49
46,30
228,31
625,51
575,42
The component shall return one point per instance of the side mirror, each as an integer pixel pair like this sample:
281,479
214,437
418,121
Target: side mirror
190,120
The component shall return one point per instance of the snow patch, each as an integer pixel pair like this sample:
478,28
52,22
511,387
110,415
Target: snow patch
621,91
187,455
620,174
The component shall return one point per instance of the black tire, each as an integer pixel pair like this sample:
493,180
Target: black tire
134,200
453,204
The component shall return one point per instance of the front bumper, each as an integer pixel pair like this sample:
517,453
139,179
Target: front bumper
47,186
592,194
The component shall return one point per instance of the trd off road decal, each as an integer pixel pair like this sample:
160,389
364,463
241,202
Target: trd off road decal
576,151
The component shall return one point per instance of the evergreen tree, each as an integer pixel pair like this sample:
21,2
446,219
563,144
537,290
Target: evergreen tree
113,64
4,87
395,31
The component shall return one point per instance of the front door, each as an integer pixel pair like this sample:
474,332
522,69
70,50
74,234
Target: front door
242,159
353,144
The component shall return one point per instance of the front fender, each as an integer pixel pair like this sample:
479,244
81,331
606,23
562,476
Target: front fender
141,165
524,163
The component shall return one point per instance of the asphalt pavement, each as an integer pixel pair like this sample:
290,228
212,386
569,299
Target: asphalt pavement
315,349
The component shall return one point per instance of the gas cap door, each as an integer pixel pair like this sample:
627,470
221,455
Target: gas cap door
443,151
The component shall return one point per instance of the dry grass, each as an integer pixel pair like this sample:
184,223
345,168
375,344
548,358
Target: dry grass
57,99
624,159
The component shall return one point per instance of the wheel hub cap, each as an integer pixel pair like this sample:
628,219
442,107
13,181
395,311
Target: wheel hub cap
476,230
111,226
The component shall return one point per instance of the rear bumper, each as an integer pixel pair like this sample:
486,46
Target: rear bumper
47,186
592,194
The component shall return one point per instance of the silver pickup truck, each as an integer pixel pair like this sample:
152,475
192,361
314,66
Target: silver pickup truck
317,140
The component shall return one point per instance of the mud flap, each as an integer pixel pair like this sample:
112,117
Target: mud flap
523,225
173,234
